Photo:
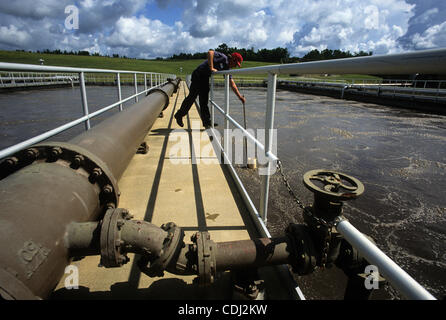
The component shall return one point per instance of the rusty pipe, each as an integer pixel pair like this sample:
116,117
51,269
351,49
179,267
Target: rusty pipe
150,241
253,253
116,139
136,236
46,187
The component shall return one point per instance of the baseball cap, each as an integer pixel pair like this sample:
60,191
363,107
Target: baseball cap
237,57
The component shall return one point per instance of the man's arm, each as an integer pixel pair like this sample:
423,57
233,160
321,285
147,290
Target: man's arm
211,61
235,89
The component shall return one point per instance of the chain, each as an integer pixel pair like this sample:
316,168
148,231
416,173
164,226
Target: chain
308,212
287,184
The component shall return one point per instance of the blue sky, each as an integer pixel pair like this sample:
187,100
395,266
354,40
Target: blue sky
160,28
167,14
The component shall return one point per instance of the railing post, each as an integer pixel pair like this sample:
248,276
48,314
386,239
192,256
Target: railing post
136,86
212,99
84,99
145,81
226,141
269,125
118,81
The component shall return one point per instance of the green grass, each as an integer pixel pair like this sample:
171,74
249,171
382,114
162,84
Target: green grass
171,66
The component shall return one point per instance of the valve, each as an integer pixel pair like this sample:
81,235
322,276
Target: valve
336,186
330,189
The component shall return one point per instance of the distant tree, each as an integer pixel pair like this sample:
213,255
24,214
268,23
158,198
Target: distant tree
327,54
223,48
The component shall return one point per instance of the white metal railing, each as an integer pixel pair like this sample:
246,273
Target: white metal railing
156,80
421,62
29,79
434,90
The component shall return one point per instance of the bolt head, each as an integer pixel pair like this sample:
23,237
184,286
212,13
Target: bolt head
32,153
107,189
12,161
56,151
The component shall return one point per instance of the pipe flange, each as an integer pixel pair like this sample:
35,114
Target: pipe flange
175,82
172,245
303,254
68,155
111,243
11,288
206,263
163,92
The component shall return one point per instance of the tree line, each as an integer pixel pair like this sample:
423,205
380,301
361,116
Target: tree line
77,53
277,55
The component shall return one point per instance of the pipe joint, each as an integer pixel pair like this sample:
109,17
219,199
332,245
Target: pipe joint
69,156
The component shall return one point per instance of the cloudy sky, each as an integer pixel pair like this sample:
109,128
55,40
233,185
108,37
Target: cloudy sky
160,28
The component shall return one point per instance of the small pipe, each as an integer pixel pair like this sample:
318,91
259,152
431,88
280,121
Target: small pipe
142,237
253,253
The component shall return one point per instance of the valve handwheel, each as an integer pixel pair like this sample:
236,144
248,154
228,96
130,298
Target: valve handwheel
335,186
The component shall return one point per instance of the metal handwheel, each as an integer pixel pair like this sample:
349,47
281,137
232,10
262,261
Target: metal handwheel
335,186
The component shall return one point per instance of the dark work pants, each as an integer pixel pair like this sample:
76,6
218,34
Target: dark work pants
199,87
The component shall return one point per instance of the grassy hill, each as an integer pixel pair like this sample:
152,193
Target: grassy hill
166,66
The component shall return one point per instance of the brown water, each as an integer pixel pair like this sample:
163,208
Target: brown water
25,114
399,156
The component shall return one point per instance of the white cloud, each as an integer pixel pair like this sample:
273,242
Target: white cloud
13,37
423,18
432,38
147,38
118,26
345,24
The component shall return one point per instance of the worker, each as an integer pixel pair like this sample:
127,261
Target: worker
216,61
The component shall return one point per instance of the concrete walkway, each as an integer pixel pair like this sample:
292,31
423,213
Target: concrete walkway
179,180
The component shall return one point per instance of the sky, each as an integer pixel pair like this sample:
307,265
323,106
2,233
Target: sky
161,28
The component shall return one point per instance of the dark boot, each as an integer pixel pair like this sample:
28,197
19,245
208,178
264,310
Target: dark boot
179,120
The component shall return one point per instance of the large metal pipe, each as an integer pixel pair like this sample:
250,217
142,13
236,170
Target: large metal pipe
116,139
46,187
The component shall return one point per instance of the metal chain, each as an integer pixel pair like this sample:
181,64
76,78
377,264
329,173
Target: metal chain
287,184
307,211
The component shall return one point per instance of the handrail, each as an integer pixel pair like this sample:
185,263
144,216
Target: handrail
425,61
158,79
386,266
32,67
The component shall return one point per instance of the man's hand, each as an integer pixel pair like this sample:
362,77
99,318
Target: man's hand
213,70
242,99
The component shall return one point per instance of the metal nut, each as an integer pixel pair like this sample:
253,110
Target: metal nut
107,189
120,223
12,161
78,160
97,172
56,152
32,153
